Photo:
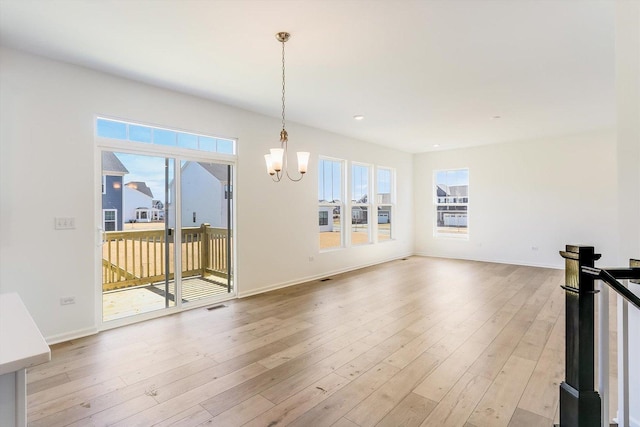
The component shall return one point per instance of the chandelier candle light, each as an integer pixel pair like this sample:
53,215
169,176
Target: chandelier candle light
277,160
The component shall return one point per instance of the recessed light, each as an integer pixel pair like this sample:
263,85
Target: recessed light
358,117
436,145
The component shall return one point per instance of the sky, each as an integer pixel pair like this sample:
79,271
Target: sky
330,181
453,177
150,169
147,169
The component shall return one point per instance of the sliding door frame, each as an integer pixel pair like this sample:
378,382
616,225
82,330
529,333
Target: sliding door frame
178,155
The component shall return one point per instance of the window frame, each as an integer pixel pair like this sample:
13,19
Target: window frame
353,203
114,221
390,205
456,203
178,136
333,204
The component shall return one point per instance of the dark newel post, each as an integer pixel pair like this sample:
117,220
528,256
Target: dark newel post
580,404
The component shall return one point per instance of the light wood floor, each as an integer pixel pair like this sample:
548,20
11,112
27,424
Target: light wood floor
422,341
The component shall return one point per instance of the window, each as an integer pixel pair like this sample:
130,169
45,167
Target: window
360,204
109,219
330,202
451,199
384,203
115,129
323,218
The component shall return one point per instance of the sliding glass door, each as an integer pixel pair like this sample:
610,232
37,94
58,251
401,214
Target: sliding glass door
166,232
206,193
137,243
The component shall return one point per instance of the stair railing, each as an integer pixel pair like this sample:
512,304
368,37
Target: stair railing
580,404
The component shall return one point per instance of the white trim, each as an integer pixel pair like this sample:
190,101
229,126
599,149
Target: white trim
128,147
177,238
314,277
97,117
71,335
390,205
491,260
434,188
115,221
343,205
602,299
97,257
370,168
623,361
177,155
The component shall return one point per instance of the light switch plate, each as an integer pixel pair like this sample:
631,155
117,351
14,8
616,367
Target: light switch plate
65,223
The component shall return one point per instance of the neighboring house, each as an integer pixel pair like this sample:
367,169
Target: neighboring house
384,212
205,192
359,215
384,215
325,219
138,203
113,172
452,201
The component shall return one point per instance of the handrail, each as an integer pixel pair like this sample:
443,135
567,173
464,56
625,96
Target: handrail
581,404
610,276
138,257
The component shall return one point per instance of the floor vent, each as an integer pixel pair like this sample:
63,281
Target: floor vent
325,279
214,307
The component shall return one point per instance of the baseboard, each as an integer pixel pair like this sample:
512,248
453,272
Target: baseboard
316,277
494,261
80,333
72,335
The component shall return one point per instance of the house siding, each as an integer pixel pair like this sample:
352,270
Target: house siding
112,197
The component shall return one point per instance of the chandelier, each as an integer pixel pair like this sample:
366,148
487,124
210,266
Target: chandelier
277,159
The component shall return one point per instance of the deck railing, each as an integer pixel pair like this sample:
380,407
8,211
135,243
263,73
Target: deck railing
138,257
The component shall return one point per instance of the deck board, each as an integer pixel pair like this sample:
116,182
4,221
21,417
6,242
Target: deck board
143,299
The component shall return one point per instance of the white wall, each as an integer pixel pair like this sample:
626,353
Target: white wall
47,149
542,193
628,97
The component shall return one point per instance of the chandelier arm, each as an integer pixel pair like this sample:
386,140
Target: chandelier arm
285,161
293,179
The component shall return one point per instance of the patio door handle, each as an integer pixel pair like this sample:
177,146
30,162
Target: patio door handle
100,237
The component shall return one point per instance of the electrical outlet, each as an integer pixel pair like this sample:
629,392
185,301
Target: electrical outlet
67,300
65,223
311,258
534,248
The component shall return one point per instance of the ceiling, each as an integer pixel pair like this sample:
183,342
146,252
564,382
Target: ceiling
426,73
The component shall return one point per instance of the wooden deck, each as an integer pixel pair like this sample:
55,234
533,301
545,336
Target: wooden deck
142,299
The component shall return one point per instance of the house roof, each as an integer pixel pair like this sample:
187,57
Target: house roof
217,170
454,190
141,187
111,165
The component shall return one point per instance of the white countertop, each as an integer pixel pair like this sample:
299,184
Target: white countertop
21,343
